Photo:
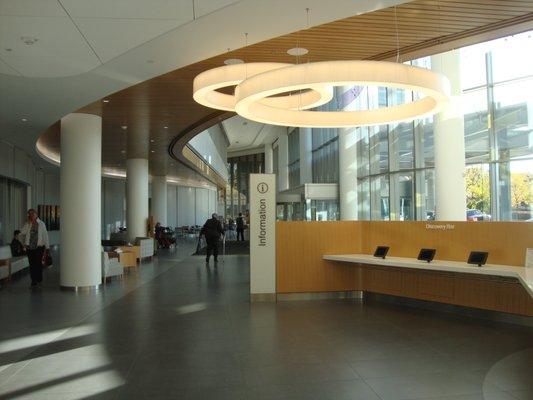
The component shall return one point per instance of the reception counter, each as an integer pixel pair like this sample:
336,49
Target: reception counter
522,274
501,288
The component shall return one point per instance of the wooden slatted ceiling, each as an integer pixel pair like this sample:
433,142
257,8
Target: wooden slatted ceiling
421,25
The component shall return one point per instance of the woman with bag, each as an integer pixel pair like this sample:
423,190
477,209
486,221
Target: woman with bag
37,246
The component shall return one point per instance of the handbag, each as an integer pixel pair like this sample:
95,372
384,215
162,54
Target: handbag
47,259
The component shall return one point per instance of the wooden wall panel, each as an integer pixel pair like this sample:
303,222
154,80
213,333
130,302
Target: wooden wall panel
301,245
299,250
505,241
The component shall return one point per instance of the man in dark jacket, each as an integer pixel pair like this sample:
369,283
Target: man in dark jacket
240,227
212,230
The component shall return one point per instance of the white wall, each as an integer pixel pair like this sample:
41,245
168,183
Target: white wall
190,206
212,147
172,205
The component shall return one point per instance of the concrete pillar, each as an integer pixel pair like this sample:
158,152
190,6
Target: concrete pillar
269,158
159,199
306,155
80,199
136,197
450,187
283,161
347,164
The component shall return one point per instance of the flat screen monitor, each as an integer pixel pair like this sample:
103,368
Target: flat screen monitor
427,254
381,251
478,258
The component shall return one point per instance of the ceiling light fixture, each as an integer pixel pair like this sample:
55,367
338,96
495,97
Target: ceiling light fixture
165,127
297,51
105,101
24,119
233,61
251,93
124,127
207,84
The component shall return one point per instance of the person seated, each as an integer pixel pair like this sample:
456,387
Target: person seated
17,249
161,237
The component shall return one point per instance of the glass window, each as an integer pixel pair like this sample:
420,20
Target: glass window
478,187
379,201
363,198
512,57
477,145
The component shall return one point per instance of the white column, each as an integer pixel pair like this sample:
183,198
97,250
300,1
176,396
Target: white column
136,197
159,199
450,187
306,155
269,158
348,167
80,199
283,161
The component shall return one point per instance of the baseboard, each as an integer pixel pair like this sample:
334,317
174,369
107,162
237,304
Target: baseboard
262,297
349,294
495,316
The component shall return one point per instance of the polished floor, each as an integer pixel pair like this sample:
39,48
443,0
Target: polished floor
178,330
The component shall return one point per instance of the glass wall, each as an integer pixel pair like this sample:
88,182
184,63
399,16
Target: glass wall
395,162
12,208
239,170
294,158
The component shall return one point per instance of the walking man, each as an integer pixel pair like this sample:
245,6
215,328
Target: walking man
212,230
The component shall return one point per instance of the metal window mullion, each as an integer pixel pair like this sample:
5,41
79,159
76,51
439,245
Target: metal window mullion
493,142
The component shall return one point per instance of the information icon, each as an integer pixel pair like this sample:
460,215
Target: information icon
262,188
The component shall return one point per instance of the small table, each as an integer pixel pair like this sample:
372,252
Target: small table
127,259
136,250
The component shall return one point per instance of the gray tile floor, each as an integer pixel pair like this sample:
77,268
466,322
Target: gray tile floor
176,330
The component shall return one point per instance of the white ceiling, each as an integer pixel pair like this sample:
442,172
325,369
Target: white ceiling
119,43
244,134
76,36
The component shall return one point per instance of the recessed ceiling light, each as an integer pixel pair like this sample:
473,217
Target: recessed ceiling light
105,101
165,127
231,61
171,164
152,140
24,119
236,141
124,127
123,151
297,51
152,151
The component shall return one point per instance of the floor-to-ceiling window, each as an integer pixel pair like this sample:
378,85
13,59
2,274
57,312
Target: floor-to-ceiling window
294,158
396,162
12,208
237,191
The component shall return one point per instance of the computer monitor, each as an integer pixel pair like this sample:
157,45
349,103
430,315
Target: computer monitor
427,254
478,258
381,251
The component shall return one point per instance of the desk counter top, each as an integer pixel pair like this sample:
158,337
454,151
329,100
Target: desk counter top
523,274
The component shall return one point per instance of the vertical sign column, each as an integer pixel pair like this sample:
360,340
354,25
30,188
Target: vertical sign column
262,237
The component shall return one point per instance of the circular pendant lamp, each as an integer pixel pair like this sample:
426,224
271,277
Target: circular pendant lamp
250,94
207,84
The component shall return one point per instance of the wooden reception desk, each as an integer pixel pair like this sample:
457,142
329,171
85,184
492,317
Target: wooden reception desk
502,288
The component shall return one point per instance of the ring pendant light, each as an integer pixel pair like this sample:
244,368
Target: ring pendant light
251,93
207,84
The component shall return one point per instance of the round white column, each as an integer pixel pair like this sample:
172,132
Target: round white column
136,197
269,159
80,199
159,199
450,186
347,166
